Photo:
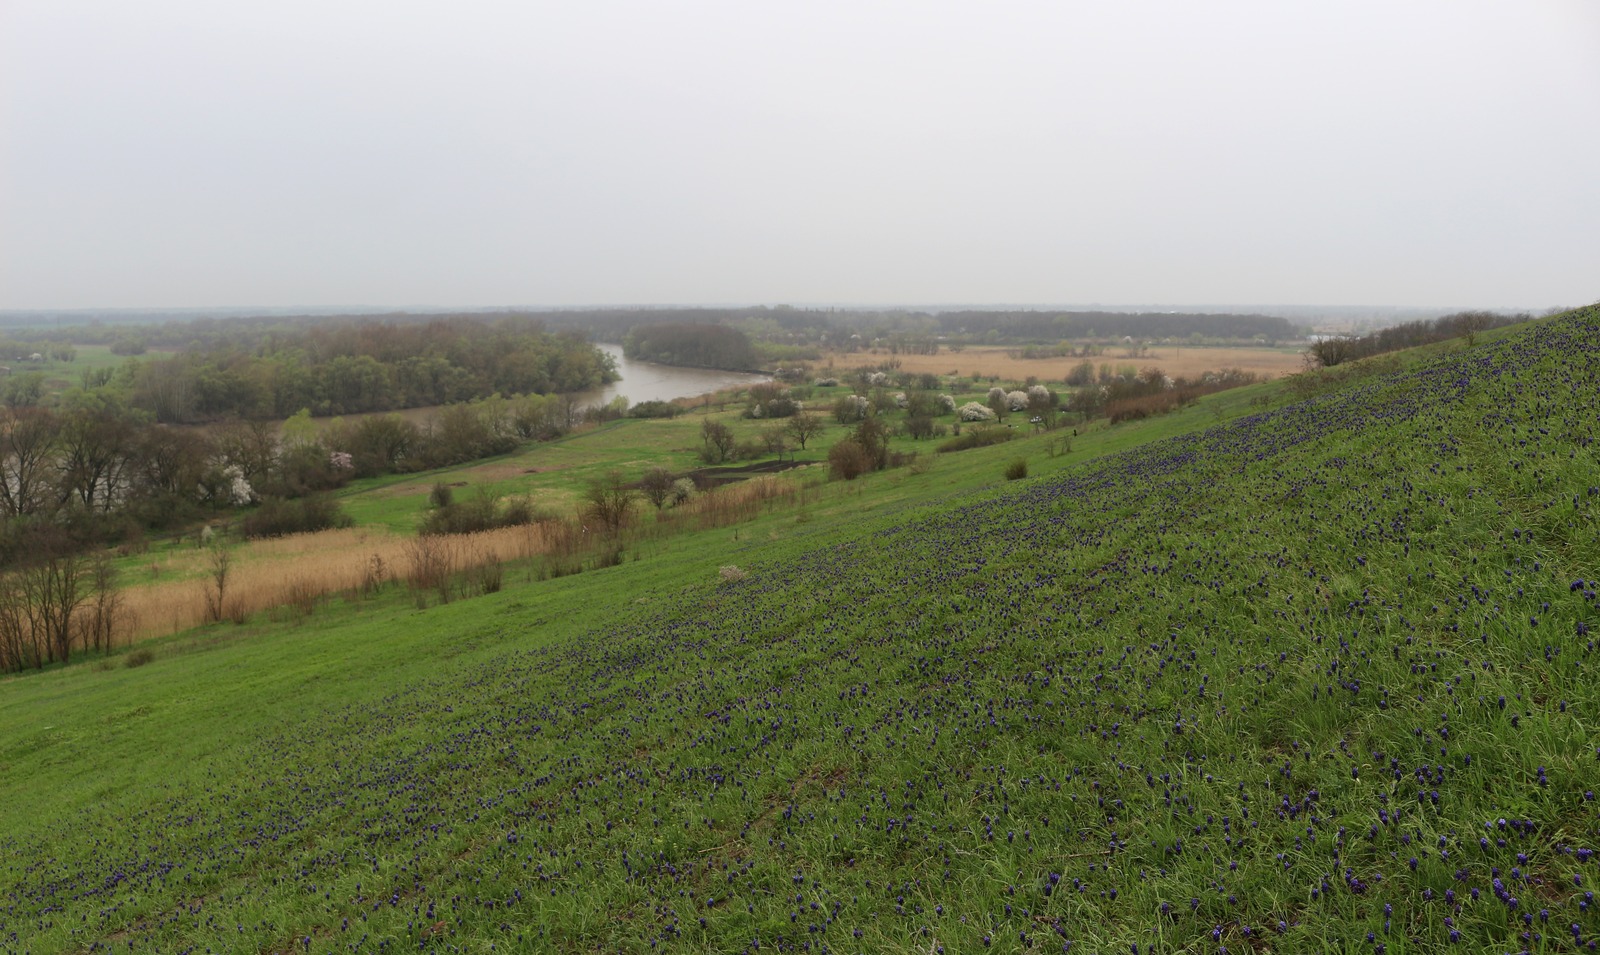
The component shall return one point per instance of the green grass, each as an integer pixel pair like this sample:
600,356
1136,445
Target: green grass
552,473
1210,671
60,376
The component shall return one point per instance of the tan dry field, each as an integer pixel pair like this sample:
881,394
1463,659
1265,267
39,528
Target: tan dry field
300,569
291,570
993,360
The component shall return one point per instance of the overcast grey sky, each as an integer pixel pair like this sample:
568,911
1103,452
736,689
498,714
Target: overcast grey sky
399,152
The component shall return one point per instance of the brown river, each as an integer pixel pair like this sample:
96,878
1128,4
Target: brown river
645,381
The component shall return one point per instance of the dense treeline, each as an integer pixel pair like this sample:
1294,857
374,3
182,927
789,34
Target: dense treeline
1329,352
775,329
698,345
93,472
248,331
55,602
1047,326
839,326
359,367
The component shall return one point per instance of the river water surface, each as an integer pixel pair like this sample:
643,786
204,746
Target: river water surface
641,381
647,381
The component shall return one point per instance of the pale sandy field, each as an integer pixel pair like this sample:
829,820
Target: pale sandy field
1175,361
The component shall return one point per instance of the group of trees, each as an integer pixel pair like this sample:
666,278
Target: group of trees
719,443
699,345
1102,391
357,368
99,473
770,399
781,332
1336,350
1126,397
85,469
53,601
1053,326
14,351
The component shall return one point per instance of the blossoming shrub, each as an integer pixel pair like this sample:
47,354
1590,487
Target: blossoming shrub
973,411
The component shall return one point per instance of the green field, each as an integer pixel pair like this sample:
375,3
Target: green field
552,474
1262,675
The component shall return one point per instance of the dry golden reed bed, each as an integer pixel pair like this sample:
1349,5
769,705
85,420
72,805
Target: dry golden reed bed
298,570
290,570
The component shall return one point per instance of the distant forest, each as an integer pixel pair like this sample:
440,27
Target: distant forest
103,462
783,333
760,322
254,369
967,326
770,334
695,344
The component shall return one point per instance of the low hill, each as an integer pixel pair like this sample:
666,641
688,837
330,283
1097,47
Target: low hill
1317,679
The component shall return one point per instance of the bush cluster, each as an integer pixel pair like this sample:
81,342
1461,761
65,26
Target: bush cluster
277,517
976,438
481,513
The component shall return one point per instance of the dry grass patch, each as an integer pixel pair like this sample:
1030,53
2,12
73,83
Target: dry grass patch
997,361
298,571
742,501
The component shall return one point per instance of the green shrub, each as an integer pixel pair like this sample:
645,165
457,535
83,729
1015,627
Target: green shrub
276,517
976,438
482,513
1017,469
654,409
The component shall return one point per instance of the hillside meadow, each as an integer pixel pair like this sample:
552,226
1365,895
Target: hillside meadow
1266,676
164,585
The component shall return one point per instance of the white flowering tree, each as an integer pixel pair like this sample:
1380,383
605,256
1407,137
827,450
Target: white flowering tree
240,493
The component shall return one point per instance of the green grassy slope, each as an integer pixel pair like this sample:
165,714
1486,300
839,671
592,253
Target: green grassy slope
1317,679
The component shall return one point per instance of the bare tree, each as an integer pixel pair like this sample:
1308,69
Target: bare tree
250,446
1471,323
51,586
803,427
218,566
719,441
17,648
657,486
95,457
1328,352
776,440
608,501
27,448
103,615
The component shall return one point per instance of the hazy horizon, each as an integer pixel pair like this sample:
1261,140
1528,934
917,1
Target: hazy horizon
1283,309
175,154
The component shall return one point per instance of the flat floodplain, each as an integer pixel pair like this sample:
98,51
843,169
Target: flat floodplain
1005,362
1317,678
